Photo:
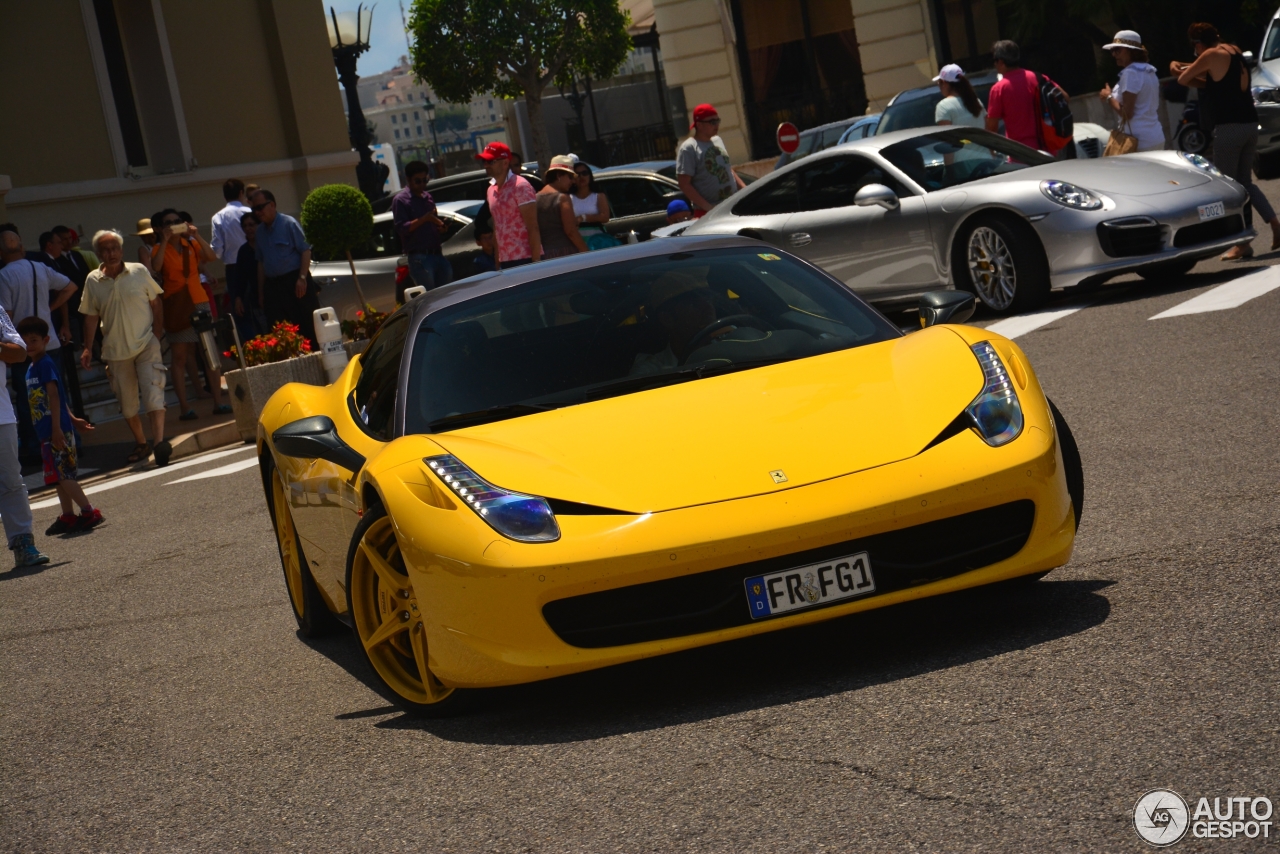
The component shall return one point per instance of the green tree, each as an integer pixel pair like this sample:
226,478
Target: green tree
337,218
515,48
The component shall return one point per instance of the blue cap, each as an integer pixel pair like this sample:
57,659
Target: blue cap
677,206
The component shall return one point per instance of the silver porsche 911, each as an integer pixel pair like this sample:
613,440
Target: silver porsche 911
896,215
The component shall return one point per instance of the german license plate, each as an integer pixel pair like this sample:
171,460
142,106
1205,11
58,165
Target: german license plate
1211,211
810,586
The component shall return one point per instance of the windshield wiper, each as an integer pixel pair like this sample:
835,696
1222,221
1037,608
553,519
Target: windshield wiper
484,416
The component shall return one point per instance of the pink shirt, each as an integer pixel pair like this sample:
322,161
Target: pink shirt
509,232
1016,99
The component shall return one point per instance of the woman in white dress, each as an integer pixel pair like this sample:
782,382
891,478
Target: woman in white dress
1136,98
591,207
959,104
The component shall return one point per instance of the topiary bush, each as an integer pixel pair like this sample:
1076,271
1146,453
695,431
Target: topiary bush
337,218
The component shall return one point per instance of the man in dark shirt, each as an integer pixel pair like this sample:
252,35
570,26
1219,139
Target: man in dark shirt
414,213
71,321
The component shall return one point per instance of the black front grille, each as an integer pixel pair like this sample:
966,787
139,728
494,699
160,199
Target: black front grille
1091,146
707,601
1133,235
1207,232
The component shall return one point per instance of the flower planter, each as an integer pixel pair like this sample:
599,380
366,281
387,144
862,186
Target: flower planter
252,387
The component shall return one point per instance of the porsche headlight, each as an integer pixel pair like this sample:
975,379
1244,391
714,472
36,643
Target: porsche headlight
996,412
1201,162
525,518
1071,196
1265,95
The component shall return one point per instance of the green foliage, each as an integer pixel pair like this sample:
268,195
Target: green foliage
336,218
452,117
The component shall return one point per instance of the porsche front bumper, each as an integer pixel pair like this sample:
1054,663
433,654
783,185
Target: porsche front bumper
486,623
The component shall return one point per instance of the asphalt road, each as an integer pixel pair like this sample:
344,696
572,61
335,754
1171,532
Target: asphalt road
157,698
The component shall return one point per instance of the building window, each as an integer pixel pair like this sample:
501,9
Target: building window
397,133
404,117
393,118
419,129
491,103
492,117
410,96
415,115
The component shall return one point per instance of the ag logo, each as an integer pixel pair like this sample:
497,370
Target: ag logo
1161,817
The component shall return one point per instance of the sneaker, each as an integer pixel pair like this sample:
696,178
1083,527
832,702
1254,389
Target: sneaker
162,452
89,519
25,552
61,525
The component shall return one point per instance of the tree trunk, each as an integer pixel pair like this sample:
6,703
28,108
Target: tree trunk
541,144
355,280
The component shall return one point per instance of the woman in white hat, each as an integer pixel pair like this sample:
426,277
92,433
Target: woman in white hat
959,104
1136,97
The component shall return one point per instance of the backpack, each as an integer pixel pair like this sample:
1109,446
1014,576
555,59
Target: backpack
1055,110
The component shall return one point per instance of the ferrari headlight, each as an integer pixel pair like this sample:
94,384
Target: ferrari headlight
1071,196
996,412
526,518
1201,162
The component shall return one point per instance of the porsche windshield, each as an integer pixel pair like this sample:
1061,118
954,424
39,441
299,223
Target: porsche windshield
623,328
946,158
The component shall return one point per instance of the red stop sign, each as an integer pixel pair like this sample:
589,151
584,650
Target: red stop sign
788,137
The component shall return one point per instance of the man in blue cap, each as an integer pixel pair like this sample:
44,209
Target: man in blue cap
678,211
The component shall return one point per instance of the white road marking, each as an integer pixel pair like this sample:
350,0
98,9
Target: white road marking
1021,325
35,480
1231,295
229,468
134,478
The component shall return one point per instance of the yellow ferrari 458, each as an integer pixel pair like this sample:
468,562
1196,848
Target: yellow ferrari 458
620,454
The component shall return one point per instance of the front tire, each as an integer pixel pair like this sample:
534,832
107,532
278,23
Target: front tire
1193,140
389,621
309,609
1070,460
1003,264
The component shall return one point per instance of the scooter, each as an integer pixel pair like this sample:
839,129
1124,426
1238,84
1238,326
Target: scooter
1191,137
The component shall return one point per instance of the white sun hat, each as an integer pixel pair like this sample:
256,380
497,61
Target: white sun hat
1125,38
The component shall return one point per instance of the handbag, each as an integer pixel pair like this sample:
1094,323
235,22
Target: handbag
1121,143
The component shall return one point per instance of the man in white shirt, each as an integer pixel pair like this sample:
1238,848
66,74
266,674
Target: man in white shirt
15,509
228,236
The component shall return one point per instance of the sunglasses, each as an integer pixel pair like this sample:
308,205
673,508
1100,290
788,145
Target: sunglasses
259,207
709,121
584,173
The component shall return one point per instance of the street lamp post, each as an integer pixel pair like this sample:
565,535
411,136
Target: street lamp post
348,38
435,141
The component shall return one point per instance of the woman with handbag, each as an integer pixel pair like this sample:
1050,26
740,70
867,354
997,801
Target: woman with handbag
176,259
1136,98
1226,105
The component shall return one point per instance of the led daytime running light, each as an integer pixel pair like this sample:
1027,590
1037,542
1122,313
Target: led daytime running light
525,518
996,412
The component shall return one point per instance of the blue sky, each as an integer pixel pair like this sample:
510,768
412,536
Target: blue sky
386,42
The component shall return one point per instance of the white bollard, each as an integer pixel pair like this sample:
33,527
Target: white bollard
414,292
632,237
329,334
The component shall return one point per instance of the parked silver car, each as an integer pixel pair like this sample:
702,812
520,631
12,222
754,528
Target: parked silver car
1265,82
902,213
381,267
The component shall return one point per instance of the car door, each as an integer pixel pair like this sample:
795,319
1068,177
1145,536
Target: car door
636,203
877,252
324,499
375,262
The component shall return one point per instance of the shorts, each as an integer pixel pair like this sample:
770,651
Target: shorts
144,376
188,335
59,465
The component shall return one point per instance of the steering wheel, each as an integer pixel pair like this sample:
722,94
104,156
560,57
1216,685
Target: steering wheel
982,170
732,320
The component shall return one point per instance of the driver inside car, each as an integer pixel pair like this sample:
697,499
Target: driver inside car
686,311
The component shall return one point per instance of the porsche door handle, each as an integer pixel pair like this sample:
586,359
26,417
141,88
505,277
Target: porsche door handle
800,238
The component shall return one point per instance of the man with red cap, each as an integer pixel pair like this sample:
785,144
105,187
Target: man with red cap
702,163
514,207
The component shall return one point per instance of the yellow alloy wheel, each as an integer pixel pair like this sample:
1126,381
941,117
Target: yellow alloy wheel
287,540
388,619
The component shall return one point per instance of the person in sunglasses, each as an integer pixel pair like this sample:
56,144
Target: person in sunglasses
285,288
702,163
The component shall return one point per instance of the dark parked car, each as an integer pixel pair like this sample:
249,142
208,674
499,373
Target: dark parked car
463,187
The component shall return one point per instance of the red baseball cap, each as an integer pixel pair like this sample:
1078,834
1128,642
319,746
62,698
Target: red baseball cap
494,151
702,112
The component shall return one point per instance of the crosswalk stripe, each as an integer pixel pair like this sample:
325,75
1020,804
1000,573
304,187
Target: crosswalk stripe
134,478
1231,295
1021,325
230,468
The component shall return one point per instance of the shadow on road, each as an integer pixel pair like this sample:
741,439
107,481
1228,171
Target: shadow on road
782,667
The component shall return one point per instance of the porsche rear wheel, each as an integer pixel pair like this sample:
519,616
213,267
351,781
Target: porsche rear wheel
309,608
389,620
1002,263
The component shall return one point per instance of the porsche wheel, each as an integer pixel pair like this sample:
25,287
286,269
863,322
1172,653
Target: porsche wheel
309,608
1004,265
388,620
1070,460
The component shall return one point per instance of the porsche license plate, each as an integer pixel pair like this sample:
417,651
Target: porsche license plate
809,586
1211,211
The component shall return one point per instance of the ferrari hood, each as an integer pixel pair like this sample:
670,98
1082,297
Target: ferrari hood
1131,175
724,437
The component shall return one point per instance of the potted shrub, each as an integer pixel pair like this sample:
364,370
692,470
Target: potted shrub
271,360
337,218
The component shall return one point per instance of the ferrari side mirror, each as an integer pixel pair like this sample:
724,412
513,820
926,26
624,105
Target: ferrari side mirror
316,438
945,307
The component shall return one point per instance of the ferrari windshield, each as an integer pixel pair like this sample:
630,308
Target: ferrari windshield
623,328
948,158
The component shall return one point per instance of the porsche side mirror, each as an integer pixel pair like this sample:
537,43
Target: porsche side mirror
876,194
316,438
945,307
1248,59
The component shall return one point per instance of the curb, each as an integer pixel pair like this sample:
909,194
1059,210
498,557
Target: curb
217,436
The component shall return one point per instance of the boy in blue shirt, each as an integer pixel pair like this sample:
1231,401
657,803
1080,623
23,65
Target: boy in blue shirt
57,434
